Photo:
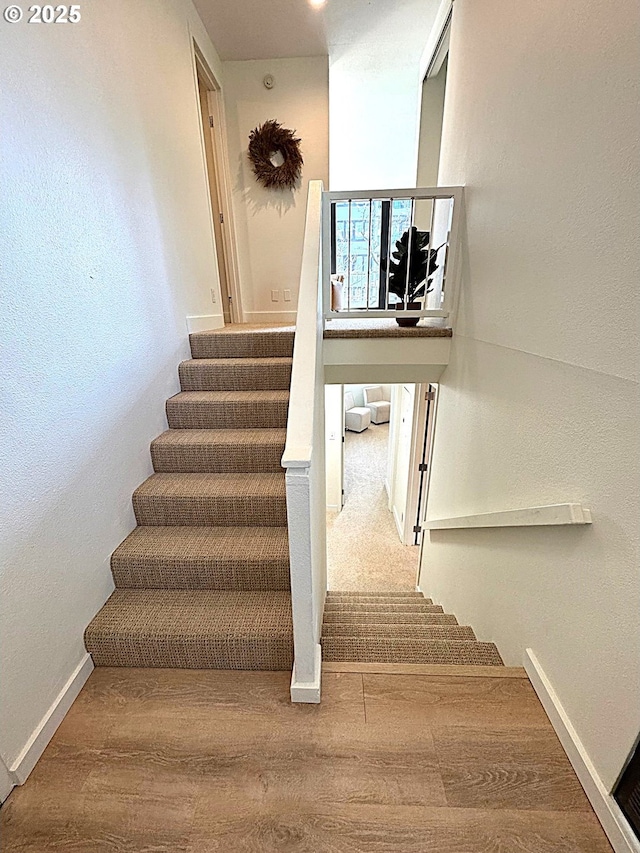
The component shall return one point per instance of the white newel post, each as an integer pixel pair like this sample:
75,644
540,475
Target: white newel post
303,460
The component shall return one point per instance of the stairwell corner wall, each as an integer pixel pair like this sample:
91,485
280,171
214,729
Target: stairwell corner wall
539,402
107,250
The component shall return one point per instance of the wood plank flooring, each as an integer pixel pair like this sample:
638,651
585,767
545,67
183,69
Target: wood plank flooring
203,761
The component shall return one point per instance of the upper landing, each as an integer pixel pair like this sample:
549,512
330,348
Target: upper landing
357,350
378,350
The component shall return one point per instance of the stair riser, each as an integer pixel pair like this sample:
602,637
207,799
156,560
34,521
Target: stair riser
225,511
252,653
423,632
238,345
251,377
217,459
196,415
437,617
373,650
147,574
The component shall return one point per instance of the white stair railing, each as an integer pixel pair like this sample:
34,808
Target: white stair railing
303,460
360,232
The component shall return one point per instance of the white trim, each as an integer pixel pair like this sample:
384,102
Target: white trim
204,322
533,516
6,782
412,192
215,102
399,524
270,317
418,428
223,178
607,810
434,41
46,728
308,691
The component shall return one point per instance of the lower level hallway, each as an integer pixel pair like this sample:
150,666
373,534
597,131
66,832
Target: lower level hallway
179,761
364,551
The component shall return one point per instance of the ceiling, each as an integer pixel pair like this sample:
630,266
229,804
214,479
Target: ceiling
274,29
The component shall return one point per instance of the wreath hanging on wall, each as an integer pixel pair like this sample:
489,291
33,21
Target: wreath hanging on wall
268,139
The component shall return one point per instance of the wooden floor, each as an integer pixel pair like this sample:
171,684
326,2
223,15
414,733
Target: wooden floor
174,760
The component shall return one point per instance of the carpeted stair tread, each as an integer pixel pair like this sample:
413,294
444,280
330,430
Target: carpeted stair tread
434,615
424,631
342,595
229,500
243,343
218,450
409,650
228,409
235,374
378,598
379,606
200,629
232,558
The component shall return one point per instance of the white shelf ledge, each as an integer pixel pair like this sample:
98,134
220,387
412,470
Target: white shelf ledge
533,516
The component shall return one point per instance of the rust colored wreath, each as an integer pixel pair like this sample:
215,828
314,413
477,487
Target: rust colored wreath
264,141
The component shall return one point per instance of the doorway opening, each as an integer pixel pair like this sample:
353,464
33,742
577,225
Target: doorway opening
378,448
211,119
434,87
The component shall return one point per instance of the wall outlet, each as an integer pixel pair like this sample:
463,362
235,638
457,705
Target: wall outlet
275,296
213,296
286,295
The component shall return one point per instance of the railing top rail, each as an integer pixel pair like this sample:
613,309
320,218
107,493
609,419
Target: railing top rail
299,443
414,192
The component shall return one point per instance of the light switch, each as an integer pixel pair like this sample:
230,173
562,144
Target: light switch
275,296
286,295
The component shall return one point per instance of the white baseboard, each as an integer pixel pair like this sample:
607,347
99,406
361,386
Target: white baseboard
270,317
45,730
607,810
6,782
399,524
308,691
204,322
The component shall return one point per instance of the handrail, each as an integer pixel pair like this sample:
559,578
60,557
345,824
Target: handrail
533,516
303,459
299,442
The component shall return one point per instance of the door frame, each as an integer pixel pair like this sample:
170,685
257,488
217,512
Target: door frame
437,46
229,248
418,427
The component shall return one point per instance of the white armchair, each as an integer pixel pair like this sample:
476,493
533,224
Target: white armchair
379,407
356,418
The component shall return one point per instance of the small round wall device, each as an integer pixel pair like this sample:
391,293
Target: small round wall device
269,81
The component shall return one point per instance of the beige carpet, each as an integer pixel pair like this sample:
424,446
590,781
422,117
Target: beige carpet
364,549
203,581
365,628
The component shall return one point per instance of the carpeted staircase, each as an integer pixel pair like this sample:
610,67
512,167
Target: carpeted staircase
398,627
203,581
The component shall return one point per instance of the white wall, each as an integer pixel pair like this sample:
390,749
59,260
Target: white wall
270,223
539,402
107,247
374,85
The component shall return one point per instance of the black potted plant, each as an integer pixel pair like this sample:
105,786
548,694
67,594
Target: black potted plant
410,274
